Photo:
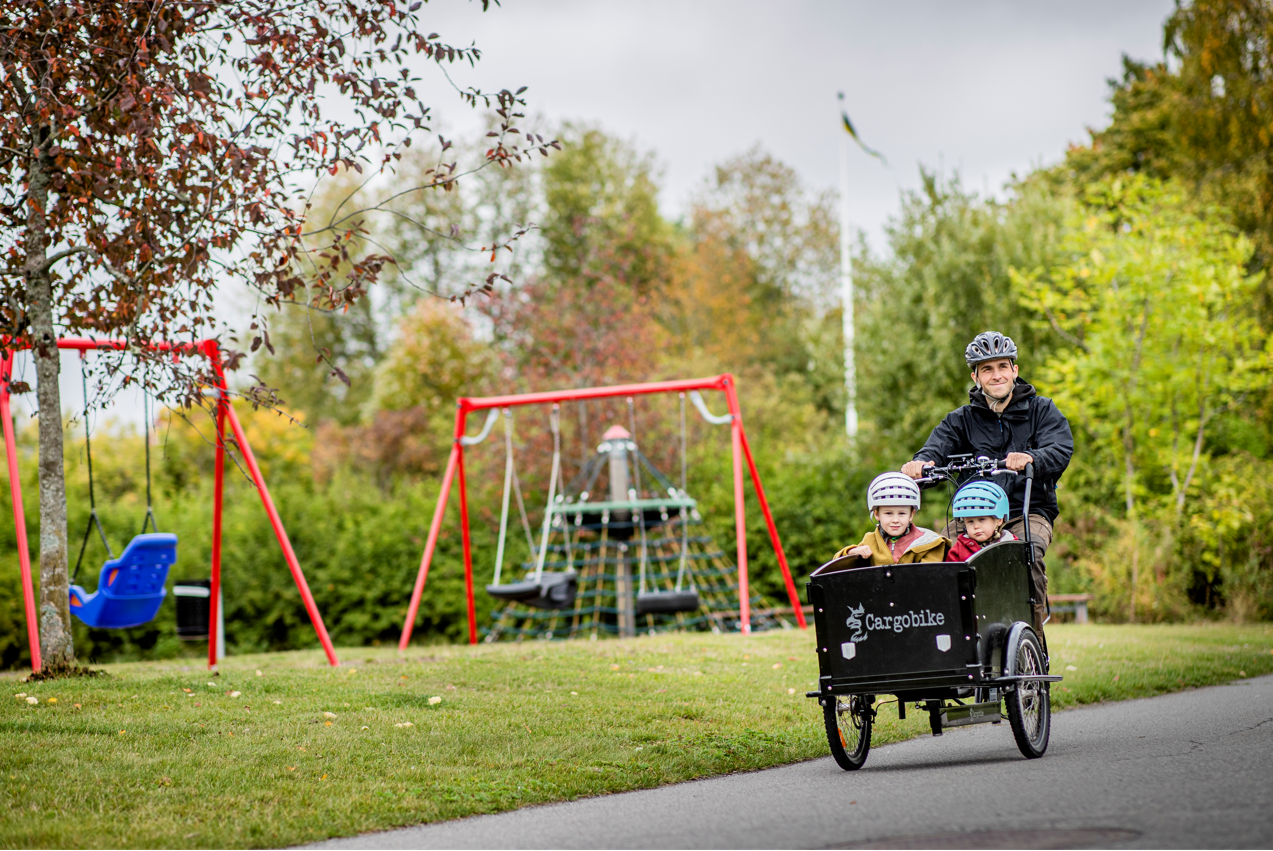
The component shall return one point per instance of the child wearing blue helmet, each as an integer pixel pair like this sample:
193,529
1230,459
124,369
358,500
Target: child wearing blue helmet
983,506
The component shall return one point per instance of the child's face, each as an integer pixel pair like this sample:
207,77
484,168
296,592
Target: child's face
981,529
894,519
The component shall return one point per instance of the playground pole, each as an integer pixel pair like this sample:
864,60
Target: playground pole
740,517
732,396
435,527
279,532
19,514
215,618
468,550
846,298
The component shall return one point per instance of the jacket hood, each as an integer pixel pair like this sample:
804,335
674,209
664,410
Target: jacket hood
1022,392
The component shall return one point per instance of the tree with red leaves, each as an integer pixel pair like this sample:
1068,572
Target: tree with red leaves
154,150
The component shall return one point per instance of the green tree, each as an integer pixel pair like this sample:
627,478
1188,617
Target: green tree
601,213
946,280
1157,312
1204,115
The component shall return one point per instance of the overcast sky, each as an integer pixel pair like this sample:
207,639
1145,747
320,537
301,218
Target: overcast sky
985,88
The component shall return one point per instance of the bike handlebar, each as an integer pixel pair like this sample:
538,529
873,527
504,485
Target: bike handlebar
981,466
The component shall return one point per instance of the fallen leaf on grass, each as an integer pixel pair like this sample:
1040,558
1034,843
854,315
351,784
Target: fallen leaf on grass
77,706
434,701
777,665
33,700
121,732
291,768
259,674
54,699
278,703
329,714
1070,668
365,727
20,695
327,723
1116,676
403,724
235,693
1240,674
791,691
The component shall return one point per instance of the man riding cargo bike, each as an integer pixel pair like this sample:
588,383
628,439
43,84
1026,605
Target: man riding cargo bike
1006,418
960,638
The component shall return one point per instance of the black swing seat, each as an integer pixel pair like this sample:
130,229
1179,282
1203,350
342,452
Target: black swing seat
666,602
552,591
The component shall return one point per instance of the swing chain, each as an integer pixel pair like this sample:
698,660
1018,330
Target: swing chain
93,519
150,510
680,573
554,420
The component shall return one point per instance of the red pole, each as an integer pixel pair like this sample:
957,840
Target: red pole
19,515
468,552
434,528
740,512
792,595
310,606
218,490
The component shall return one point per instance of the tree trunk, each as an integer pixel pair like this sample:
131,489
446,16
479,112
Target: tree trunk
56,646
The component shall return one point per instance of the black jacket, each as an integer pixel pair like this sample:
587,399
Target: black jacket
1031,423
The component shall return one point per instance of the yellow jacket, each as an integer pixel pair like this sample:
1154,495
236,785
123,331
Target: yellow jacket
923,545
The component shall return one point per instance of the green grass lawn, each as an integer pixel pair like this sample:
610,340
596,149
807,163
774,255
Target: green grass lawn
280,749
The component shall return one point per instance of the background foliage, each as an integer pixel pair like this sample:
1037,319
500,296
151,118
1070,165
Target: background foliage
1132,274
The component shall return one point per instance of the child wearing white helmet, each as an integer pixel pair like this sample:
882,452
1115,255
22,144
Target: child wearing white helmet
893,499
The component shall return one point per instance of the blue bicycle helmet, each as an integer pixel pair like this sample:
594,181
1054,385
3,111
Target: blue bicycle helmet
981,499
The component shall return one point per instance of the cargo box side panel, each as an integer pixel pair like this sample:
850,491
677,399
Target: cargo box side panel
882,622
1002,594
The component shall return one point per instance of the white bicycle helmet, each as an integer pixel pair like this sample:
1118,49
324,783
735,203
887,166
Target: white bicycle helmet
892,489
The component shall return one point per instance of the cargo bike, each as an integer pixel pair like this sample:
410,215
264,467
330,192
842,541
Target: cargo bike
955,638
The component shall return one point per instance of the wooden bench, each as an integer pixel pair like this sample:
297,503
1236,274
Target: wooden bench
1076,603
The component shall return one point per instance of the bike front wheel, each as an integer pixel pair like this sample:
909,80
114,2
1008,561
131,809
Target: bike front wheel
848,721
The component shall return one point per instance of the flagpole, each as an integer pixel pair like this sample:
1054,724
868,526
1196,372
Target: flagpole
846,296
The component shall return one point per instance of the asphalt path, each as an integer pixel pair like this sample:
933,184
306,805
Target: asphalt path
1186,770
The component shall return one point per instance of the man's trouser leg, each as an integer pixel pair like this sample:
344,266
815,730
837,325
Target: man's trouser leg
1041,537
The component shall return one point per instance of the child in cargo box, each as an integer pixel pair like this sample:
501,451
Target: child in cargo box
893,500
983,508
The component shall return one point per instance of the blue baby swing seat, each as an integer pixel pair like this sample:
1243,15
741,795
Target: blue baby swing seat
130,589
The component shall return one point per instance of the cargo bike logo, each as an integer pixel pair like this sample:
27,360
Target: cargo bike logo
861,623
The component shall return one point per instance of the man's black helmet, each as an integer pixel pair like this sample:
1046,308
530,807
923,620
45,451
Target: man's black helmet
989,345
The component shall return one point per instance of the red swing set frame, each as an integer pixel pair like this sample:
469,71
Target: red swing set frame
741,450
225,414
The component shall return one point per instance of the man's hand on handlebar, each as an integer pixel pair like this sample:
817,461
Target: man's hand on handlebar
915,469
1015,461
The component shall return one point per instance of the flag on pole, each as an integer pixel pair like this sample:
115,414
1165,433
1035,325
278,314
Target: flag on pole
848,125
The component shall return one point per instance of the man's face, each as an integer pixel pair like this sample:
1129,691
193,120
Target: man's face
894,519
995,377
